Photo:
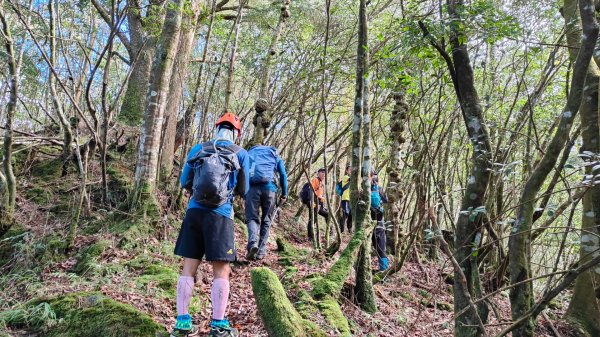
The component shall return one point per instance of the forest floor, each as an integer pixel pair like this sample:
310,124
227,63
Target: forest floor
143,271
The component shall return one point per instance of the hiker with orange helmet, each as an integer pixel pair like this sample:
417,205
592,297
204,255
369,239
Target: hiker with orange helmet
214,172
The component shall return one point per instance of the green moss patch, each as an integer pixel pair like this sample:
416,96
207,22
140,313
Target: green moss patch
334,316
159,276
87,260
92,314
277,312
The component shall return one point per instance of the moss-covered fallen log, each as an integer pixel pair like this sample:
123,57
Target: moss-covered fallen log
331,284
278,314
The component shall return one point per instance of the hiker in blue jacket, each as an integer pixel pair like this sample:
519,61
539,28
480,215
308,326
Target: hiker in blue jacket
208,229
265,165
378,198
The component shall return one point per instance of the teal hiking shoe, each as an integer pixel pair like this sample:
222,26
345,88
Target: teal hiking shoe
221,328
184,327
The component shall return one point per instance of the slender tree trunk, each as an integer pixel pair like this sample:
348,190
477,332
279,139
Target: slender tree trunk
365,294
468,227
263,107
178,82
230,71
521,295
162,66
8,189
58,109
394,190
584,308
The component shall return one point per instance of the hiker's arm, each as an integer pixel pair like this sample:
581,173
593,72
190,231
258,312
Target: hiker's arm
243,177
187,176
282,177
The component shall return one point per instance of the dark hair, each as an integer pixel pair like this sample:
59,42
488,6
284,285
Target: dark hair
322,169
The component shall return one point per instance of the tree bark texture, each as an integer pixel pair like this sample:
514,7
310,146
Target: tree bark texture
394,191
365,294
8,189
176,86
56,104
162,66
521,295
584,308
468,226
141,52
230,70
262,118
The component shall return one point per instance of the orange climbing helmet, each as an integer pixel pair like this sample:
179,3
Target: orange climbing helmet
232,119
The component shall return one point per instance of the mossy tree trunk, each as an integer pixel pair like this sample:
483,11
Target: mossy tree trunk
8,189
584,308
176,87
364,279
162,66
142,45
262,118
521,295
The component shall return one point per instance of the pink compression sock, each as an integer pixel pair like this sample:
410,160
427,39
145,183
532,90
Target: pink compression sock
219,296
185,287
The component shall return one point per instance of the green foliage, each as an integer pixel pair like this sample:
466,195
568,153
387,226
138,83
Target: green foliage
159,276
29,316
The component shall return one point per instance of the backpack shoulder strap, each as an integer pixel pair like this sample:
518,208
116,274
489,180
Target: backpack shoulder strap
234,148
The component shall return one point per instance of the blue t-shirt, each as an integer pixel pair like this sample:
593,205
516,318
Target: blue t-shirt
241,187
271,186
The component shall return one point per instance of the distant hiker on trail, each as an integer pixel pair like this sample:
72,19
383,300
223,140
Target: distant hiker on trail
214,172
315,200
343,189
377,200
264,163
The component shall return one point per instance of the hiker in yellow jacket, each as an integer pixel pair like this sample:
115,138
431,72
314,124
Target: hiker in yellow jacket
343,189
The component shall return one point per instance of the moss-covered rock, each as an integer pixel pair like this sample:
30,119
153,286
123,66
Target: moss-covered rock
88,258
92,314
47,169
160,276
38,195
277,312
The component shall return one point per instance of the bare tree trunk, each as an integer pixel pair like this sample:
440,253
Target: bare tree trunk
584,308
178,82
230,71
8,189
147,165
468,227
521,295
263,107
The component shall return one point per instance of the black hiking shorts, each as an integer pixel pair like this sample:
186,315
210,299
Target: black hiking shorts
206,234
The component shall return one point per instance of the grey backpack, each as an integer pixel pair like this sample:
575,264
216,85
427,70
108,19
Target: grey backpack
212,166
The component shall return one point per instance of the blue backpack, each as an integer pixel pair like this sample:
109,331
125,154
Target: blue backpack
375,197
263,160
339,189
